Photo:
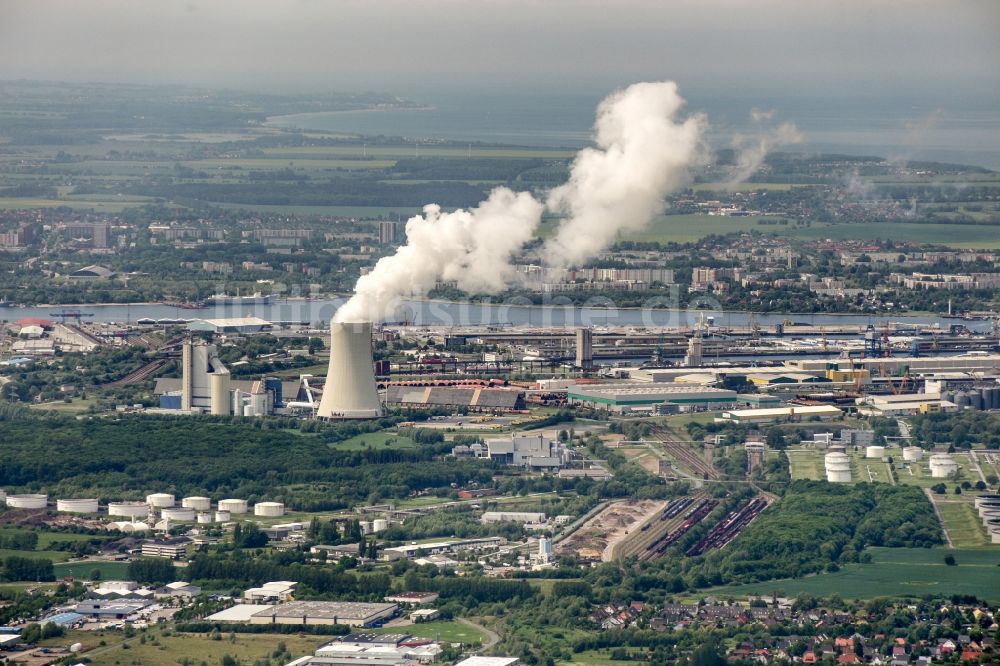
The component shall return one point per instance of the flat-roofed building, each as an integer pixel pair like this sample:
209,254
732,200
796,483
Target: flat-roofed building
352,614
791,412
624,397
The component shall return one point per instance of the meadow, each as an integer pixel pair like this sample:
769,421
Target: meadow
893,572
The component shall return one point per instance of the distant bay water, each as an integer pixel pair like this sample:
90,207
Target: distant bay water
966,132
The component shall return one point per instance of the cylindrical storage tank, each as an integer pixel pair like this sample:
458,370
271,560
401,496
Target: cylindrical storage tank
948,396
77,505
981,499
838,467
366,526
3,495
160,500
350,391
380,525
988,507
994,397
942,466
197,503
913,454
875,452
218,383
995,536
976,400
269,509
961,399
128,509
27,501
222,516
179,514
204,518
233,505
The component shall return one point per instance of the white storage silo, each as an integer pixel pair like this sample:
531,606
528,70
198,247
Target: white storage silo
380,525
160,500
128,509
875,452
222,516
269,509
366,526
76,505
913,454
197,503
838,467
204,518
178,514
233,505
350,391
942,466
30,501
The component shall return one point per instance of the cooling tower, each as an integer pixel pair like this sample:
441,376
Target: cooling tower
350,391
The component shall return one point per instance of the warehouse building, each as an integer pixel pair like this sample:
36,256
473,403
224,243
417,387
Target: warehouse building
476,398
792,412
633,396
533,452
373,650
233,325
415,550
348,613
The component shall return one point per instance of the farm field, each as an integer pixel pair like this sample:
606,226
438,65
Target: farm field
689,228
893,572
160,650
951,235
401,151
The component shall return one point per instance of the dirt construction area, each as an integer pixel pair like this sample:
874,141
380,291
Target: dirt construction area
596,539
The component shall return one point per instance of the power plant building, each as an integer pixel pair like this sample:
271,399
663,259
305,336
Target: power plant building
533,452
350,391
584,348
476,398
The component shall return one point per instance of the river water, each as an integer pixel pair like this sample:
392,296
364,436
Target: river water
441,313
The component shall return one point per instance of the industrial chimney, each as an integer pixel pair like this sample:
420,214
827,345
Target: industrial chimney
350,391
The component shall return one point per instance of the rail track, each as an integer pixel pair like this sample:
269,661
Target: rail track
696,510
729,527
680,451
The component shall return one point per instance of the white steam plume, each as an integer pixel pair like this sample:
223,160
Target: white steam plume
643,153
470,247
751,151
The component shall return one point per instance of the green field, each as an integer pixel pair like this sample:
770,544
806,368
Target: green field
82,570
402,151
375,440
690,228
962,520
445,631
894,572
295,163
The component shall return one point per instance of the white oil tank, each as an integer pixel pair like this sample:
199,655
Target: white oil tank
380,525
913,454
197,503
233,505
838,467
222,516
269,509
31,501
160,500
178,514
875,452
366,526
204,518
128,509
76,505
942,466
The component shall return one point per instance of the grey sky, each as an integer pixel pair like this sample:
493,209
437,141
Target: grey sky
907,45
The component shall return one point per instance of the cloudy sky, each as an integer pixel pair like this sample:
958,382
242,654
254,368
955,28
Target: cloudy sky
401,45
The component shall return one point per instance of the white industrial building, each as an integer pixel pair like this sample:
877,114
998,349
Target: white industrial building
534,452
415,550
373,650
791,412
526,517
901,405
279,590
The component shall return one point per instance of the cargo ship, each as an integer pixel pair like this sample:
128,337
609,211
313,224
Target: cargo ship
254,299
